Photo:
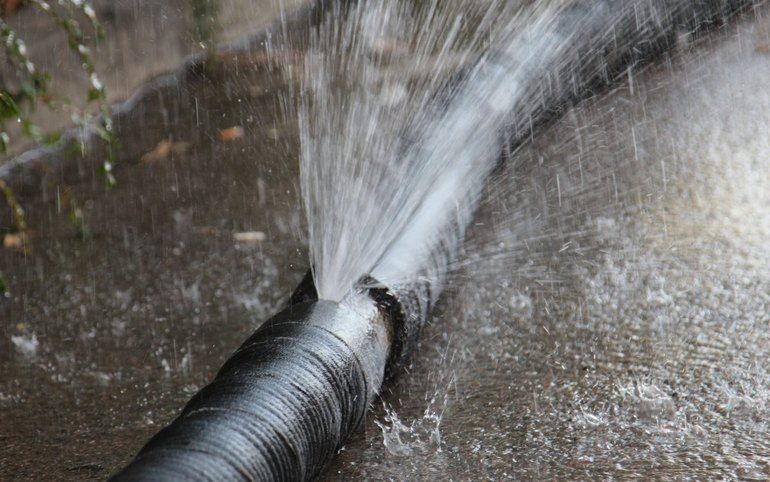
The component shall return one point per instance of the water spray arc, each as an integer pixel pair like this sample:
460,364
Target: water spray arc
292,394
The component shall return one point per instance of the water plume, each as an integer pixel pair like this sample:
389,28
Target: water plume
406,109
402,121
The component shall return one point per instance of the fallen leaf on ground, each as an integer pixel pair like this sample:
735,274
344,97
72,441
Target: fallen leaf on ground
160,153
9,6
249,237
13,240
230,134
210,230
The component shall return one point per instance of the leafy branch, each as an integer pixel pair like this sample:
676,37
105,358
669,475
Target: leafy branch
34,85
77,19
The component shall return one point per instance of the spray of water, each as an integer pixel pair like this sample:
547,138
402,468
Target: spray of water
406,108
402,120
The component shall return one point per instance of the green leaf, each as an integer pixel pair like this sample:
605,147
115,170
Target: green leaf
41,81
94,94
8,106
31,130
104,134
80,146
51,138
29,92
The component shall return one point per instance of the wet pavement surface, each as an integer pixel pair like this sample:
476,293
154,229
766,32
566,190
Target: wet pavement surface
609,318
143,39
120,327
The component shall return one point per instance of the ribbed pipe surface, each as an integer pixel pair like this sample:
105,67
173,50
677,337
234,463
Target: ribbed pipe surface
283,404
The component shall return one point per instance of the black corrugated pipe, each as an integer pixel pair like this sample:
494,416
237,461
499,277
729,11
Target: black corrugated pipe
290,396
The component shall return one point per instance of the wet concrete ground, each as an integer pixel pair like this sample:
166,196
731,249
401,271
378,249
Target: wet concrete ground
143,39
132,318
620,329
